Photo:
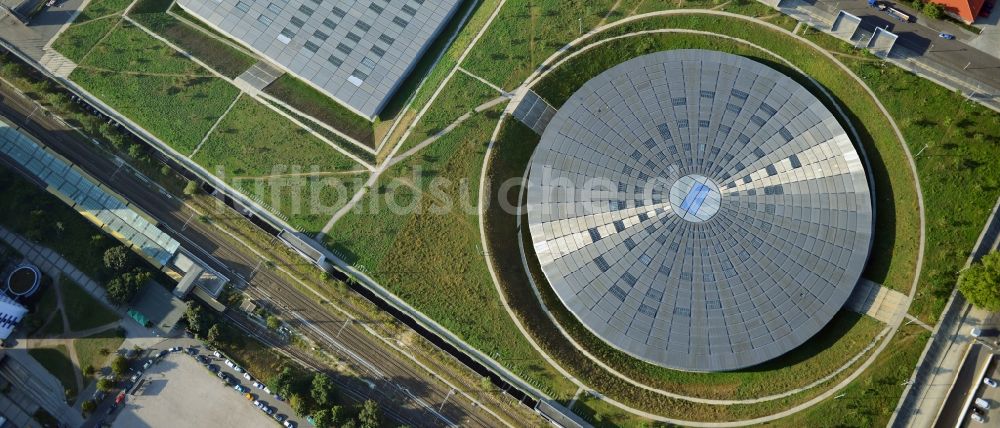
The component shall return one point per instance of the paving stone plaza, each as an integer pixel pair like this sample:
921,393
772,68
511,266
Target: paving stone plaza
699,210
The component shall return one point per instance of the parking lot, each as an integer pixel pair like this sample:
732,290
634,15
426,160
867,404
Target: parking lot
178,390
991,416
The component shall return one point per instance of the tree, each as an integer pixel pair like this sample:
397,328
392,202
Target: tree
370,416
191,188
918,4
273,322
323,390
214,334
933,10
322,419
980,283
88,406
298,404
119,365
105,384
283,382
118,292
116,258
196,318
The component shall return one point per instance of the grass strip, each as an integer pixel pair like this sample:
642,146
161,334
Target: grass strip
312,102
216,54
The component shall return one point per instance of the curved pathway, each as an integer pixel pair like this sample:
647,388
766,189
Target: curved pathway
548,65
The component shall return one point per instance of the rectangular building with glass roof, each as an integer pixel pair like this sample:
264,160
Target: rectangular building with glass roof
358,52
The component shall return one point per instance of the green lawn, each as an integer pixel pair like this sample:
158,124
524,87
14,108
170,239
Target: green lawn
97,349
178,110
221,57
528,31
82,310
462,94
431,257
870,400
280,157
311,101
98,8
959,168
54,328
81,37
128,49
167,94
56,360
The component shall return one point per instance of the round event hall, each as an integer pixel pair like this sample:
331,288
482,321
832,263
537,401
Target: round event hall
699,210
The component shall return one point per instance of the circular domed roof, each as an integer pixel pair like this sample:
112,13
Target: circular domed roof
699,210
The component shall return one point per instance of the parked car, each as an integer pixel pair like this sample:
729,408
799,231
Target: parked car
222,375
213,368
217,354
289,424
242,389
977,417
230,363
247,376
148,363
279,417
192,351
238,369
266,389
175,349
976,332
249,396
983,404
946,36
258,385
992,383
269,410
201,359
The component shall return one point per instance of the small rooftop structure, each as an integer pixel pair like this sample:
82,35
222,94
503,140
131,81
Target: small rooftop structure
357,52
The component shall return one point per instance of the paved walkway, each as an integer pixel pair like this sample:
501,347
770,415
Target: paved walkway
876,301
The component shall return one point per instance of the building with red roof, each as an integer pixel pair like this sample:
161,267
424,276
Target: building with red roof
965,10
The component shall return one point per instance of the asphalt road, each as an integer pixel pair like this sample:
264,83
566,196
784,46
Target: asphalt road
921,37
413,396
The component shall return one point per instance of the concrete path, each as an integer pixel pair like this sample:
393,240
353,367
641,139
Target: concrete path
876,301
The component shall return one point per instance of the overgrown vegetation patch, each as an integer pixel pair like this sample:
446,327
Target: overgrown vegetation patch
417,234
311,101
277,161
